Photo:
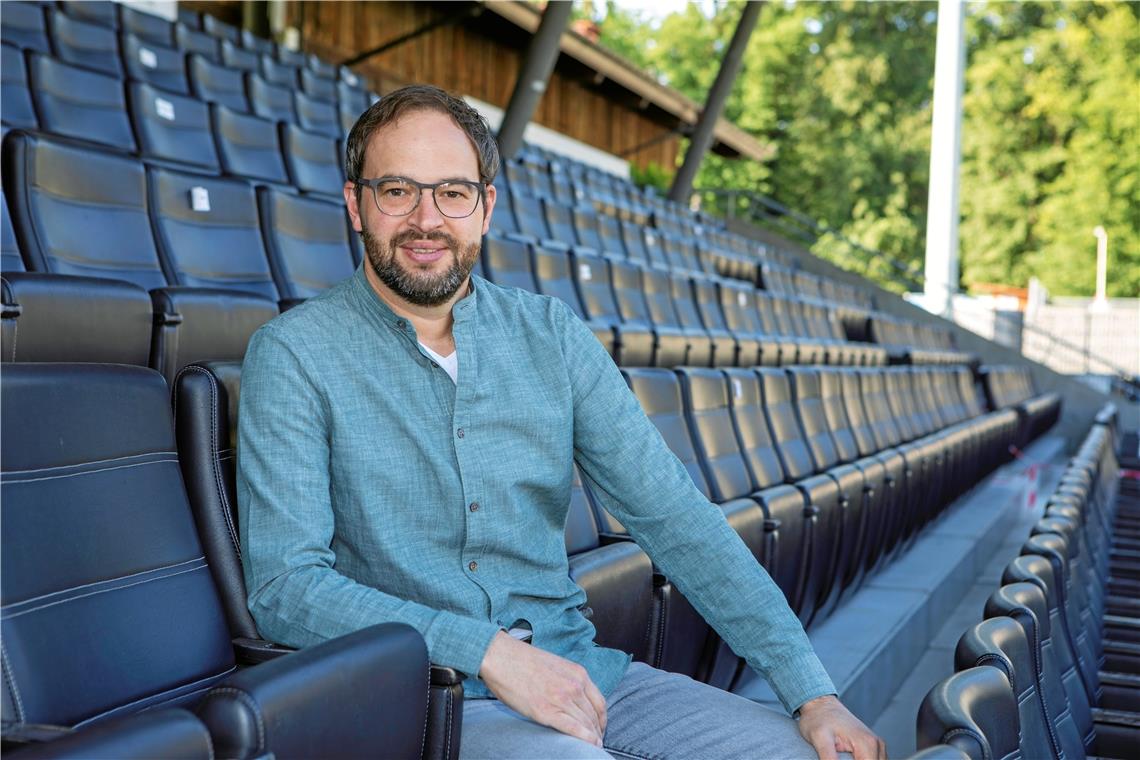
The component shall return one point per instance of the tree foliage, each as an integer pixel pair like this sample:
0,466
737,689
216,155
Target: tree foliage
842,92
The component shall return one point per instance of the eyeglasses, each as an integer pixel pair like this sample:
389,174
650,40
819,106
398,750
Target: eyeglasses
400,196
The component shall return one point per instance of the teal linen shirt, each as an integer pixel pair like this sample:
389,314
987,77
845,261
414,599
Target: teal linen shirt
371,488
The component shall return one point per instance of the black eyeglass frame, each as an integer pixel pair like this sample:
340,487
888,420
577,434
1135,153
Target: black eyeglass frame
481,187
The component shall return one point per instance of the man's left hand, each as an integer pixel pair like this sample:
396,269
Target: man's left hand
831,728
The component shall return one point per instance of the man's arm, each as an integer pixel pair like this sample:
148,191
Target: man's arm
286,521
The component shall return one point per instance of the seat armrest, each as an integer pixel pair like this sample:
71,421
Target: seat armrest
257,651
445,714
441,676
364,694
170,733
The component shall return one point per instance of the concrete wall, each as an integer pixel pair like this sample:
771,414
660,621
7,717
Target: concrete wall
1081,402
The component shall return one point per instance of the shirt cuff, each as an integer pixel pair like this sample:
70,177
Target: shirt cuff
459,642
800,681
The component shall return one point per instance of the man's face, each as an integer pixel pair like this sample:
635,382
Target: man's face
425,257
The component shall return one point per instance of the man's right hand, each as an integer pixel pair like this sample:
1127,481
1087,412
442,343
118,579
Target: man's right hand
544,687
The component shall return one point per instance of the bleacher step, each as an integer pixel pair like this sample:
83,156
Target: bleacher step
875,640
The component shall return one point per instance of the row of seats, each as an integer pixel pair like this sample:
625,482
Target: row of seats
910,342
1011,387
1053,671
113,625
211,60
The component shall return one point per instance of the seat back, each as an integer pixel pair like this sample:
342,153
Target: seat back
553,278
707,415
163,67
190,40
86,44
247,145
172,128
973,711
269,100
75,102
313,161
23,25
506,261
659,393
16,109
317,116
308,245
215,82
102,469
787,436
147,25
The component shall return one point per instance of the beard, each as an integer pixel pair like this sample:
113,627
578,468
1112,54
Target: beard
416,285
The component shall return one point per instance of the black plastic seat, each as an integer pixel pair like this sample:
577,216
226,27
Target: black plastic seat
670,344
312,160
214,26
507,262
256,43
75,102
163,67
172,733
16,109
973,711
172,128
528,213
744,349
81,43
634,343
309,250
248,146
721,345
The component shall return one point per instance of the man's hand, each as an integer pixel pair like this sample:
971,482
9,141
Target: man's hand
830,728
545,688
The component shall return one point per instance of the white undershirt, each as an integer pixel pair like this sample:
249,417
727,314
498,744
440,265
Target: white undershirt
450,363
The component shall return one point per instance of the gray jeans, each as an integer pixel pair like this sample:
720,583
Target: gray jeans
652,715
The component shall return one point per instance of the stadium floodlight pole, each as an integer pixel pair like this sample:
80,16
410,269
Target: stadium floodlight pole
535,72
941,268
714,104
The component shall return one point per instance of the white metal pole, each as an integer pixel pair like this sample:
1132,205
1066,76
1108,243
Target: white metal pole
941,271
1100,301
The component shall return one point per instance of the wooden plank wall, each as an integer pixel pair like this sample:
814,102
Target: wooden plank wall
464,61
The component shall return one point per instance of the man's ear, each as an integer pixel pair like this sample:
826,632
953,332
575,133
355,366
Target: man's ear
351,200
488,207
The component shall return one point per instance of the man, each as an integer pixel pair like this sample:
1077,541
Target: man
406,447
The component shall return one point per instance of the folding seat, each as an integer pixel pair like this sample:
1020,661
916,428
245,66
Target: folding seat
688,316
561,185
269,101
809,351
617,579
10,259
503,219
247,146
102,12
351,101
609,230
171,732
294,58
320,67
317,87
277,73
75,102
146,25
559,222
553,278
23,25
312,161
586,229
657,288
670,344
317,116
1001,643
634,341
208,232
506,262
172,128
133,573
737,302
16,108
163,67
531,220
216,83
191,40
239,59
745,348
973,711
515,173
215,26
92,46
866,511
308,248
633,243
785,350
251,41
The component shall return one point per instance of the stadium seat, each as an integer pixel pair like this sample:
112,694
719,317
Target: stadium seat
81,43
162,67
974,711
670,344
553,278
317,87
147,25
657,288
75,102
308,247
216,83
744,349
214,26
634,343
251,41
191,40
248,146
278,73
317,116
172,128
269,101
313,162
506,262
738,305
234,57
23,25
16,108
172,733
102,12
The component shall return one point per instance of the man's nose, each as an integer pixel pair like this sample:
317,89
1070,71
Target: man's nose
426,215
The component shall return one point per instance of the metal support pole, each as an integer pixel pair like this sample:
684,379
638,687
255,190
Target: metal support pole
714,104
945,156
541,56
1100,301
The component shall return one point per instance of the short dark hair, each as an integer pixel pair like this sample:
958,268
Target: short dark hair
417,97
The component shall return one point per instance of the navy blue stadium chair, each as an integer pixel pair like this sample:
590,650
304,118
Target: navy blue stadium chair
312,160
80,103
216,83
248,146
16,109
308,246
172,128
162,67
84,43
23,24
147,25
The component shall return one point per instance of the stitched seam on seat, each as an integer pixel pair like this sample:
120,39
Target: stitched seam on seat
102,591
89,472
10,677
123,708
95,461
986,754
245,698
97,583
427,713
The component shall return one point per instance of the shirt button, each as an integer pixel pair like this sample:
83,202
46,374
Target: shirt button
401,324
474,506
459,432
472,566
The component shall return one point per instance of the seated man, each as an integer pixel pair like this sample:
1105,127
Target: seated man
406,447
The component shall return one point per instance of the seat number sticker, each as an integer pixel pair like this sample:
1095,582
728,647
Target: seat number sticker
200,199
737,389
164,108
148,58
584,272
741,298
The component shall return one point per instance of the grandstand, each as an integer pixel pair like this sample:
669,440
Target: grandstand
172,184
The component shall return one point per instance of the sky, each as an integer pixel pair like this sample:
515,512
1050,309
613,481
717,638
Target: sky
660,8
